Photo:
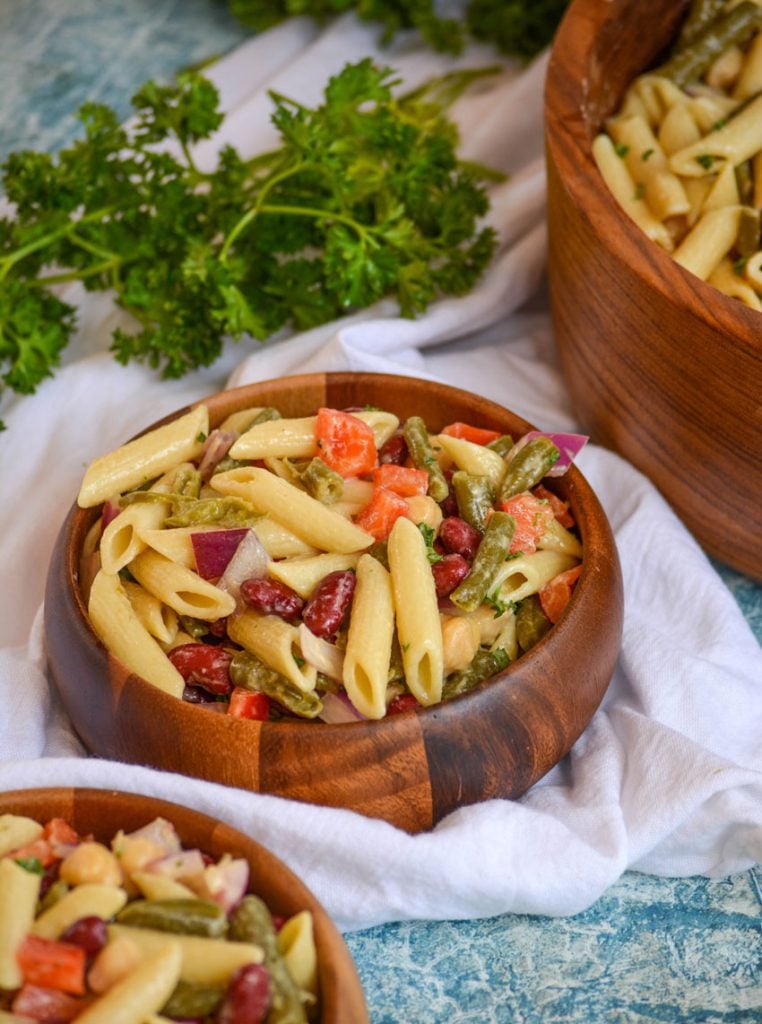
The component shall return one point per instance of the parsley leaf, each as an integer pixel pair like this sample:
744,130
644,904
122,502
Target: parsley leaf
429,534
364,198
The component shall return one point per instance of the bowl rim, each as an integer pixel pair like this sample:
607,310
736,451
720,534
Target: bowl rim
568,136
574,479
333,954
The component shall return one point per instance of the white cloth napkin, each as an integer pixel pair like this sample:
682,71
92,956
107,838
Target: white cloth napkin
668,776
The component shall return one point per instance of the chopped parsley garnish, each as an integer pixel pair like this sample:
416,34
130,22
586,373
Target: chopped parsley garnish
705,160
31,864
640,190
621,149
646,154
429,535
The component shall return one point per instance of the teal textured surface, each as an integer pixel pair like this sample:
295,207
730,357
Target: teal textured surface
651,949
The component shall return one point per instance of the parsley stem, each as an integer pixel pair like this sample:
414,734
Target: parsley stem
311,211
78,275
251,214
12,258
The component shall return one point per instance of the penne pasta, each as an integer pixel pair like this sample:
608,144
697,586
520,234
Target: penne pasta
709,241
304,574
157,618
274,642
296,944
145,458
17,830
417,612
647,164
86,900
19,890
525,575
142,992
181,589
474,458
125,636
369,642
280,439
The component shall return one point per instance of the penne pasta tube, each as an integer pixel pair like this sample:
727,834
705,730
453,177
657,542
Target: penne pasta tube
369,641
180,588
296,944
204,961
723,191
753,270
159,619
274,642
86,900
313,522
145,458
623,188
736,141
709,241
159,887
527,574
128,640
647,164
728,281
141,992
749,81
19,890
16,831
382,423
476,459
281,439
677,130
304,574
558,538
417,612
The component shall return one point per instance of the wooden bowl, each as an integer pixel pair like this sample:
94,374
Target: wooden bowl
410,769
660,365
103,812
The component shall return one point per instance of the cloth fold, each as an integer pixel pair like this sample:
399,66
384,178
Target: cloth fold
668,776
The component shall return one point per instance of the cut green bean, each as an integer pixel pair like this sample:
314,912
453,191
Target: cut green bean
701,13
187,482
490,555
251,922
321,482
747,242
193,1001
528,466
475,496
181,916
422,455
263,416
732,29
484,665
248,671
744,182
502,445
531,622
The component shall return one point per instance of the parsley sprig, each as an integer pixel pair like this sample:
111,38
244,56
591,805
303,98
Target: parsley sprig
364,198
518,27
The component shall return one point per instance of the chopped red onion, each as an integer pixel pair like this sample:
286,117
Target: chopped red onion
178,866
325,656
111,509
226,882
214,549
218,444
161,832
569,445
338,708
250,560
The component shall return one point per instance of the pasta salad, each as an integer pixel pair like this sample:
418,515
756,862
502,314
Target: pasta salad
340,566
683,154
141,931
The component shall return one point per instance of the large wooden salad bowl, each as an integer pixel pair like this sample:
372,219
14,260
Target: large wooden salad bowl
102,813
661,366
412,768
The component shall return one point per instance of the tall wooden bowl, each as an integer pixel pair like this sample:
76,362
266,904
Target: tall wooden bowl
661,366
410,769
102,813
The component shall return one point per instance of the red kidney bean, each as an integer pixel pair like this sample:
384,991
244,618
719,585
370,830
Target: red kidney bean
394,451
459,537
402,702
449,572
203,665
330,601
89,933
247,1000
271,597
197,695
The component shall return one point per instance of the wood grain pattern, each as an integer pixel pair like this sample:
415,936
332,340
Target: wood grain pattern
409,769
661,367
103,812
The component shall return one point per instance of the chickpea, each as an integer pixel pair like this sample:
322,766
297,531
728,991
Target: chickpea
460,642
423,509
116,960
134,853
91,862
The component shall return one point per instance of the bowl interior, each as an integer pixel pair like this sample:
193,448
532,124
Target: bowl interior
101,813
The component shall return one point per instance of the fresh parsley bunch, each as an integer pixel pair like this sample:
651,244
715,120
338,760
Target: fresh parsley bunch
364,198
517,27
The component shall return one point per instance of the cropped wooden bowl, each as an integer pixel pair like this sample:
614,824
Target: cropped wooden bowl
102,813
661,366
410,769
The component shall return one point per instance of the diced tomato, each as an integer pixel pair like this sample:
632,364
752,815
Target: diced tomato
403,480
555,595
381,513
47,1005
249,704
532,516
402,702
40,850
60,833
57,965
560,508
477,435
345,442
